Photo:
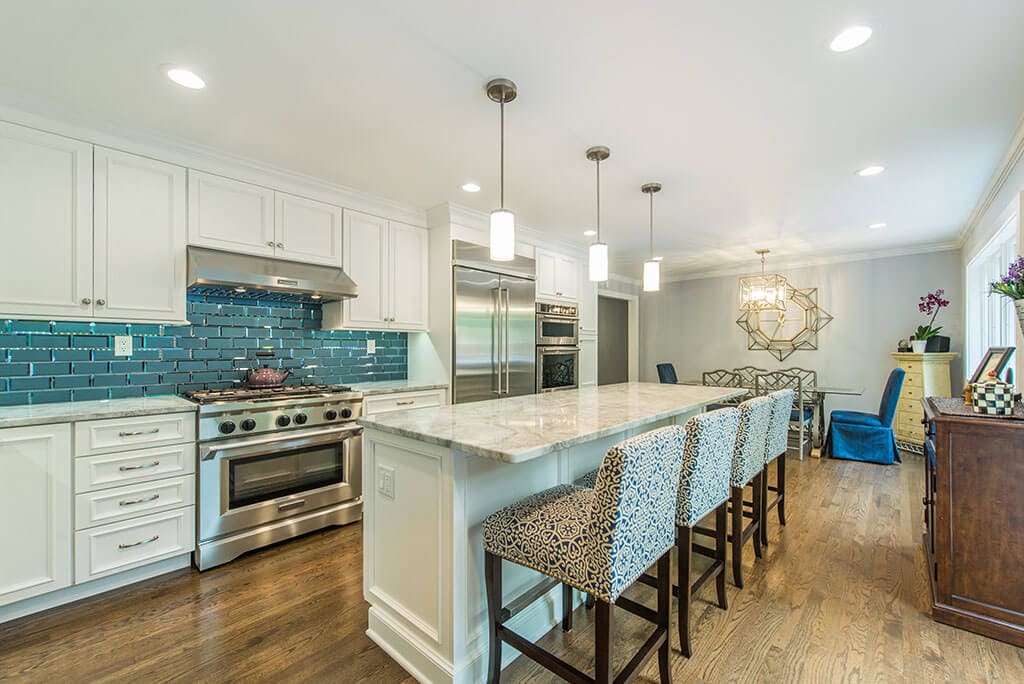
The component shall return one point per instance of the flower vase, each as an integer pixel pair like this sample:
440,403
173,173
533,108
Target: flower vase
918,346
1019,305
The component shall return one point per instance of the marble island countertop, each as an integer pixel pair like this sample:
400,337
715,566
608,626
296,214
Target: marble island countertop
370,389
519,429
67,412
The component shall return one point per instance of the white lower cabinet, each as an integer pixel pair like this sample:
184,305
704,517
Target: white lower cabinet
122,503
107,549
35,539
374,405
588,361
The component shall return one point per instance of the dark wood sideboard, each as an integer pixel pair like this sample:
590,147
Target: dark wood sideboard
974,516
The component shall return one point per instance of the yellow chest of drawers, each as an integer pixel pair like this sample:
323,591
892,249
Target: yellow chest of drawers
927,376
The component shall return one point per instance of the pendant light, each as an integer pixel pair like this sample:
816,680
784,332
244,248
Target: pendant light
652,268
598,250
765,292
503,221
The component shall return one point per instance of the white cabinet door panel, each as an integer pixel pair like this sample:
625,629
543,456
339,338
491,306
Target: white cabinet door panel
408,252
124,545
588,361
546,274
230,215
567,278
35,505
365,258
307,230
588,307
140,236
46,223
123,503
121,434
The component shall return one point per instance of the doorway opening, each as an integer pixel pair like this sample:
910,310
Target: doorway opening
612,340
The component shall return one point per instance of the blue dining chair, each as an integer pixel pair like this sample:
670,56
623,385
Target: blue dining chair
860,436
667,374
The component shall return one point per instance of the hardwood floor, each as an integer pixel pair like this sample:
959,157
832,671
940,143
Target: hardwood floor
841,595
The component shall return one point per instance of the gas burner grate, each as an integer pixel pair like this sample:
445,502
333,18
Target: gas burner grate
247,393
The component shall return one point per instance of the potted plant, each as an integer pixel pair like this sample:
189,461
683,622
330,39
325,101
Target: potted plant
927,337
1012,285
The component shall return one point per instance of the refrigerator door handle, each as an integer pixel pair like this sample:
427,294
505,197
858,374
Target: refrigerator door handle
496,330
508,306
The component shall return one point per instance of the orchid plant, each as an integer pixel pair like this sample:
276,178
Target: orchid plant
1012,284
931,304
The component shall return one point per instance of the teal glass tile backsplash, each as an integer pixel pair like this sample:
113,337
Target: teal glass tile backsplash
44,361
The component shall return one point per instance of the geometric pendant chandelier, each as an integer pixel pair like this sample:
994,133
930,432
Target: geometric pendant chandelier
780,333
765,292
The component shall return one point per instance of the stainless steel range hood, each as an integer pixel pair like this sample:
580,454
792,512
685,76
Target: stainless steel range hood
212,267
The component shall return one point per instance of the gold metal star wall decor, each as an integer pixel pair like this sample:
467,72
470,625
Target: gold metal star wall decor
781,333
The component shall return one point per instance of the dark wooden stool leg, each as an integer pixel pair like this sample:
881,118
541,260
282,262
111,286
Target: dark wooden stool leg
603,642
684,549
589,602
721,530
756,512
492,578
665,614
763,531
781,485
737,536
566,608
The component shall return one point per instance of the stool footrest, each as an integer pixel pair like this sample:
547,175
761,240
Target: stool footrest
638,609
519,603
705,551
542,657
706,531
711,571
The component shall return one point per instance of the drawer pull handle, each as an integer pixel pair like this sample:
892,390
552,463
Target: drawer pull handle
139,543
291,504
154,464
405,403
139,432
132,502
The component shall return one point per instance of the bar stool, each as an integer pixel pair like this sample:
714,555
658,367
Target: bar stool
775,450
748,470
703,488
599,541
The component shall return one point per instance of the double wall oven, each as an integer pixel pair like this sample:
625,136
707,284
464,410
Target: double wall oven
558,347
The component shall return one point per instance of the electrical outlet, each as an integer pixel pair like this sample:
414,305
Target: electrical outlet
122,345
371,346
386,481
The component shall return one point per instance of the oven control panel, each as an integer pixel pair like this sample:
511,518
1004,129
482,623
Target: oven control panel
254,418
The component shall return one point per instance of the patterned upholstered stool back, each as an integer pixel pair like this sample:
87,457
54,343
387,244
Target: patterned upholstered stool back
707,462
778,427
633,520
751,438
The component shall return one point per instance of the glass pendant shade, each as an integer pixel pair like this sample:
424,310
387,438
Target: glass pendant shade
503,235
598,262
766,292
652,276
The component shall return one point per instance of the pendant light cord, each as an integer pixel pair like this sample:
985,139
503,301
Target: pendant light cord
598,162
652,224
501,155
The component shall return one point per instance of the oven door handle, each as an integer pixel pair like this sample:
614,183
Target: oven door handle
276,442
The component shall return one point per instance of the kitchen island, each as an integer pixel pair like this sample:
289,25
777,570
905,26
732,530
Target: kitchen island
430,478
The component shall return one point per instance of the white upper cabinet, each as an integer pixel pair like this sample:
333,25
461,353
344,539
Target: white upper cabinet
35,505
139,238
307,230
408,263
230,215
388,261
588,361
46,223
366,244
557,277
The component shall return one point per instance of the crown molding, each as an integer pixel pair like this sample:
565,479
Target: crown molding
51,118
801,262
1013,155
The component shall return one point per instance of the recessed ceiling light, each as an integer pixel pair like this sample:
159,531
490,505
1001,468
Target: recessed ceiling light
876,225
470,187
184,77
871,171
590,233
850,38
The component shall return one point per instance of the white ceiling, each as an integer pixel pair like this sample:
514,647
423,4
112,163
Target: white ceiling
753,126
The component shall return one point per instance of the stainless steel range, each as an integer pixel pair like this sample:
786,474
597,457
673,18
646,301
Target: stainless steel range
274,464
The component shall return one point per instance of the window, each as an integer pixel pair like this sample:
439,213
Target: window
991,320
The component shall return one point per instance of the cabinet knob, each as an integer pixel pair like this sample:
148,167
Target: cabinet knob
280,245
101,302
270,243
86,300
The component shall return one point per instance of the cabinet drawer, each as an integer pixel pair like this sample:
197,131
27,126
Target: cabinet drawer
912,432
120,434
124,545
127,467
402,402
909,420
122,503
913,380
914,392
911,366
907,405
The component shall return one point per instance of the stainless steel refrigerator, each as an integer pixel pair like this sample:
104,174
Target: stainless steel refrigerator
494,325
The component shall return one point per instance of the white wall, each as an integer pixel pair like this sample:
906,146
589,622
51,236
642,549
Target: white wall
693,323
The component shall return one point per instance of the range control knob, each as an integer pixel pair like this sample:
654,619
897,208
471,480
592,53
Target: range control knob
283,421
227,427
301,418
346,413
330,414
248,424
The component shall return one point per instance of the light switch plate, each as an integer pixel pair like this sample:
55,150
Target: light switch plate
371,346
122,345
386,481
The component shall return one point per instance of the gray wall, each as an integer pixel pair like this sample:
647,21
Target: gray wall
693,323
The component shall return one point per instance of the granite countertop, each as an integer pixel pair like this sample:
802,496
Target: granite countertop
519,429
394,386
65,412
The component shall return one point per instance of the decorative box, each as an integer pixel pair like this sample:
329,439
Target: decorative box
992,398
